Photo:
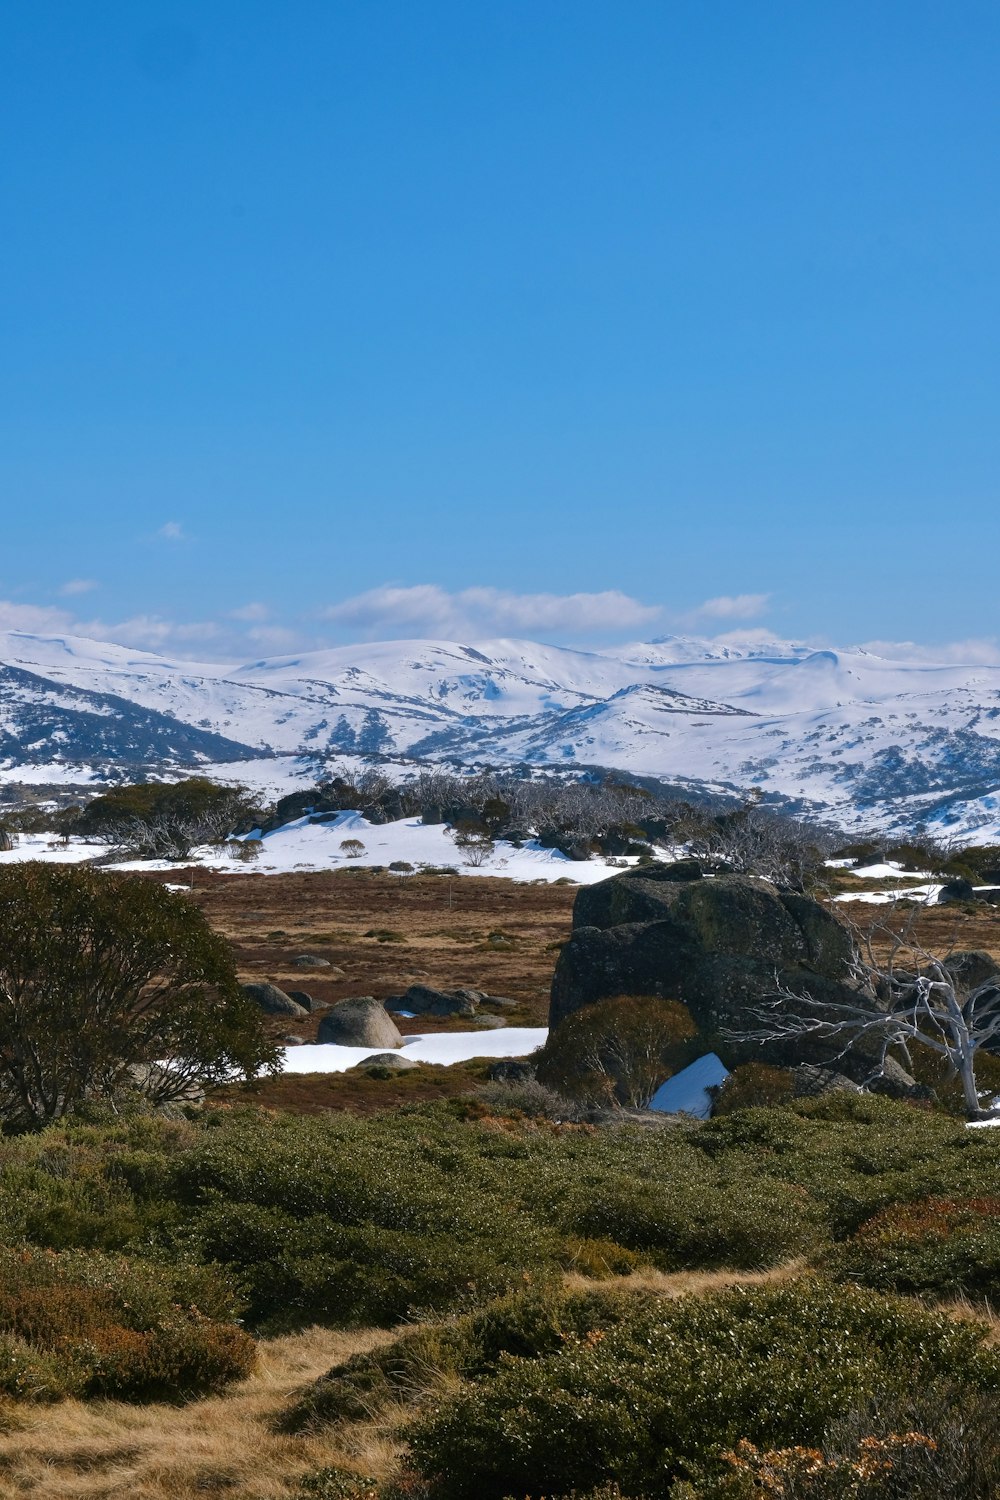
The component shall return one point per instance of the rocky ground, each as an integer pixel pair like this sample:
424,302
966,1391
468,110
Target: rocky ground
379,934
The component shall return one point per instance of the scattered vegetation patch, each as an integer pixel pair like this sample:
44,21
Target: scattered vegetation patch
663,1393
82,1323
936,1246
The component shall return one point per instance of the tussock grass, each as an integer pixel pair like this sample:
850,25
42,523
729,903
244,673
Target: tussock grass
684,1283
221,1446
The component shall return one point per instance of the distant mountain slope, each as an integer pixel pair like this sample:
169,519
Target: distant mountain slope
854,736
46,723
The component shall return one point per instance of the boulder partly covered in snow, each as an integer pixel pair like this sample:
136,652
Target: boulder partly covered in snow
723,946
361,1022
423,1000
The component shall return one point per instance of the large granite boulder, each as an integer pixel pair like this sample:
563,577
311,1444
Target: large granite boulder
971,968
716,944
723,946
361,1022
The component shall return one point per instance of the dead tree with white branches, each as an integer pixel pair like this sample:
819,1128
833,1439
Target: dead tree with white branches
912,998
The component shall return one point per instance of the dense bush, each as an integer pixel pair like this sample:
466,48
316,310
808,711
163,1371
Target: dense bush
157,820
111,983
664,1394
940,1246
617,1051
339,1220
525,1325
754,1085
87,1324
940,1441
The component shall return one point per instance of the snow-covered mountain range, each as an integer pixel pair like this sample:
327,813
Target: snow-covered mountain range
858,738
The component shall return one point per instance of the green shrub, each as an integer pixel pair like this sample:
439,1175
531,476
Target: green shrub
750,1223
340,1220
115,1327
754,1085
664,1394
928,1445
525,1325
940,1246
618,1050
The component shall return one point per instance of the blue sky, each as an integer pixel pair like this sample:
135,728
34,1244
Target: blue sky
586,321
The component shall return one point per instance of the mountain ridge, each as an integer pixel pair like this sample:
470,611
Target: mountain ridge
843,734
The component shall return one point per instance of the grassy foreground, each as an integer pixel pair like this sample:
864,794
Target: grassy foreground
509,1306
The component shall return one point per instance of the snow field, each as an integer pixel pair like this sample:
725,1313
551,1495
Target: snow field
308,846
444,1048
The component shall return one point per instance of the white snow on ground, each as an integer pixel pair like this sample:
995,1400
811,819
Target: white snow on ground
50,850
444,1047
888,871
317,846
687,1092
50,774
926,894
303,845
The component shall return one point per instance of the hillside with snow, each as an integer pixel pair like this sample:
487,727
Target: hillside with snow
846,735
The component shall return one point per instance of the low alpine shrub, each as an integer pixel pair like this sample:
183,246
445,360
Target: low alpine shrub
936,1246
114,1327
663,1395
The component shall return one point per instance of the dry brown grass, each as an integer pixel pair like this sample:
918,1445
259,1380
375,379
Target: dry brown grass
227,1445
686,1283
222,1446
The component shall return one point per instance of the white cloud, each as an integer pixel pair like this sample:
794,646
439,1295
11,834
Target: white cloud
75,586
250,613
978,651
733,607
172,531
35,619
427,609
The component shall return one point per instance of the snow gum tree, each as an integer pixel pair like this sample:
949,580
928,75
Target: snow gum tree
110,982
911,998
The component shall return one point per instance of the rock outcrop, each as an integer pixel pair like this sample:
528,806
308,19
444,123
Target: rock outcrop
423,1000
360,1022
716,944
273,1000
723,946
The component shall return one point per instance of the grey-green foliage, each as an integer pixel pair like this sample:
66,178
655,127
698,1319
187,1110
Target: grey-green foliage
346,1220
659,1395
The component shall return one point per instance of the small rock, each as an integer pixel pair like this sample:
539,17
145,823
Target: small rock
293,1041
956,890
511,1070
397,1061
486,1023
811,1082
310,961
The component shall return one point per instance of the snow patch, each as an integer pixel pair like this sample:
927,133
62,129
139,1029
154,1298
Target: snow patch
444,1048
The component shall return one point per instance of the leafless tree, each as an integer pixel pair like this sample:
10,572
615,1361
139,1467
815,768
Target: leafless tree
756,840
910,998
476,847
